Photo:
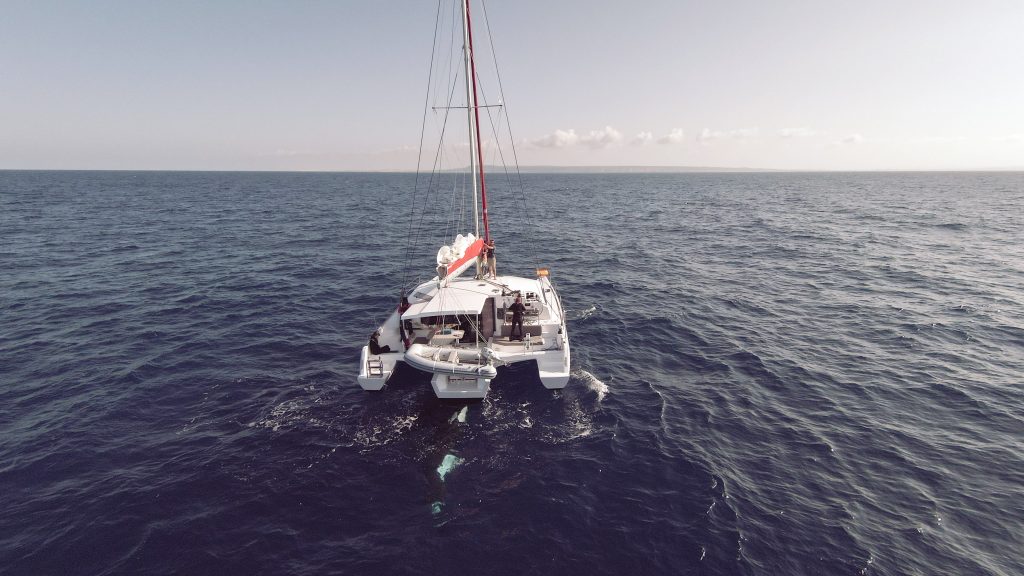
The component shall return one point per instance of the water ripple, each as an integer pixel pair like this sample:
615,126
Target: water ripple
773,374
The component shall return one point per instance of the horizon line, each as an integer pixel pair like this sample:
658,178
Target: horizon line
545,169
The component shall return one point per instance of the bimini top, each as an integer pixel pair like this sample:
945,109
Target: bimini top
448,301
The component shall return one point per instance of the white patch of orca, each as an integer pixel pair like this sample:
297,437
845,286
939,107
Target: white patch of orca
460,415
448,463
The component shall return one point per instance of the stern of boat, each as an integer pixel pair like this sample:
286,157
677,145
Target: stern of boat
454,386
375,369
553,368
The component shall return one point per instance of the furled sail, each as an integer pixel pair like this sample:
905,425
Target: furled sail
455,259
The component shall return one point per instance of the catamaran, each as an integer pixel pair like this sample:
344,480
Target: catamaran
468,322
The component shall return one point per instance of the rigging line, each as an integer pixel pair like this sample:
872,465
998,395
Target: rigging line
434,172
467,107
457,213
462,202
472,79
451,45
419,168
419,156
501,94
521,215
433,181
496,130
460,185
453,222
432,186
508,121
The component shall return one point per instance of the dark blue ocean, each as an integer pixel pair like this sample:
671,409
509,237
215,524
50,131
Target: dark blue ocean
773,374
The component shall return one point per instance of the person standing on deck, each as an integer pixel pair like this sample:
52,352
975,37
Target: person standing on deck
517,310
492,263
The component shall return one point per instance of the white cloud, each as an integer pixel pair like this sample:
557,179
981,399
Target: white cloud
1012,138
642,139
594,139
558,139
801,132
707,135
851,139
938,140
601,138
676,136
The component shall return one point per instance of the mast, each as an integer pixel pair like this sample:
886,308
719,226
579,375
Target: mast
467,49
474,123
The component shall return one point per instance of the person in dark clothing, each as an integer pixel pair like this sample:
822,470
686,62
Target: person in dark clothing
492,263
468,333
375,347
404,326
517,310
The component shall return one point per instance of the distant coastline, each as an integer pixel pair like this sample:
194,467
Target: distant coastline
631,169
714,169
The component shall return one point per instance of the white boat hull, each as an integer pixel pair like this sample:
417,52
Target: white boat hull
465,370
375,369
452,386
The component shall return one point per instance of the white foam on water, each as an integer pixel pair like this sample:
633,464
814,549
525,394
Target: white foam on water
582,422
586,313
285,414
600,388
384,431
403,423
575,423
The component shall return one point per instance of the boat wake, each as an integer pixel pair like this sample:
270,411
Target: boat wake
382,432
292,413
579,423
593,383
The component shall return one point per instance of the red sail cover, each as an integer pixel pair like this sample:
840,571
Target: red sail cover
474,250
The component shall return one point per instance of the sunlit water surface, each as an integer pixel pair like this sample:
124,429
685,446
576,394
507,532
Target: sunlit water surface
773,374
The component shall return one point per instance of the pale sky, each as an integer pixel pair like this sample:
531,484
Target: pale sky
247,85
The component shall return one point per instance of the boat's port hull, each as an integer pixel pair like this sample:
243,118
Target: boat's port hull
375,369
